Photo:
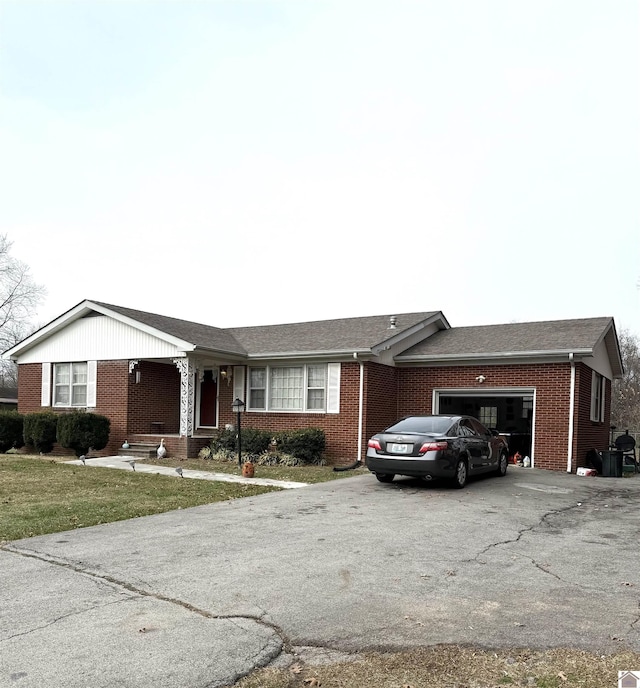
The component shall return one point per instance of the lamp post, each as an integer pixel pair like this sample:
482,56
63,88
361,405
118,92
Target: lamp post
238,408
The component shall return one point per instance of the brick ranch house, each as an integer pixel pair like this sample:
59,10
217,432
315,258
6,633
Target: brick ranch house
545,385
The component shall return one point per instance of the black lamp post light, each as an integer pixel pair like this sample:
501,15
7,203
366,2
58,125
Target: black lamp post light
238,407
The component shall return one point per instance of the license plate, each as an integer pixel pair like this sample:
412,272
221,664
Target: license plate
400,448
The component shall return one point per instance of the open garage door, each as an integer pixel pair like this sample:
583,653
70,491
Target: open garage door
511,412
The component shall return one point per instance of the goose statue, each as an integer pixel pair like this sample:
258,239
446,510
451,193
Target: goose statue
161,452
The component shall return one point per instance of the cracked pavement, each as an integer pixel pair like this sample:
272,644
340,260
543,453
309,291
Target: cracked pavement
199,597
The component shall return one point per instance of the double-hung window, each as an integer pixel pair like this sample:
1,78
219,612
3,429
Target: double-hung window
301,388
597,397
70,384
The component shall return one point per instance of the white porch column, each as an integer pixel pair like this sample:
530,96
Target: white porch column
187,395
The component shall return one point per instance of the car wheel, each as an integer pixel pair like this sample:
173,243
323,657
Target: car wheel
462,473
503,462
385,477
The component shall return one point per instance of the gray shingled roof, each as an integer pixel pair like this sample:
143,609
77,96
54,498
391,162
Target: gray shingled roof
346,334
202,336
548,336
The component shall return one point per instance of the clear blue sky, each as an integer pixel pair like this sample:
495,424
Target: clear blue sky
244,163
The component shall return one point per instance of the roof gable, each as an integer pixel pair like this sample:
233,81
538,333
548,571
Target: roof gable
346,335
199,335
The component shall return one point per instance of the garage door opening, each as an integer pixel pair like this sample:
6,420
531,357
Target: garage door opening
510,413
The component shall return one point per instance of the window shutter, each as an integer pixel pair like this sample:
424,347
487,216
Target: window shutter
45,398
603,396
333,388
92,379
238,383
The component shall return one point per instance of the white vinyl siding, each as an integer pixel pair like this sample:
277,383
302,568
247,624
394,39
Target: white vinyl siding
70,384
300,388
598,383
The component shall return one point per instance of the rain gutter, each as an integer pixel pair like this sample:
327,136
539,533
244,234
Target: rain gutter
360,405
487,357
572,393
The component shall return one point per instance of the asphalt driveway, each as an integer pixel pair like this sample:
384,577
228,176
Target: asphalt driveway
200,597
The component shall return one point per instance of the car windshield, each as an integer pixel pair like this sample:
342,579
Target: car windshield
430,424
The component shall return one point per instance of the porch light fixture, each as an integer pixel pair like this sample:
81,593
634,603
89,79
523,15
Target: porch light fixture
238,407
226,374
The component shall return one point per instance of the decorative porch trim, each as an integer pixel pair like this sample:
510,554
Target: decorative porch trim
187,395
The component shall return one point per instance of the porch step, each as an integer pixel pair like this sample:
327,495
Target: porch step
141,450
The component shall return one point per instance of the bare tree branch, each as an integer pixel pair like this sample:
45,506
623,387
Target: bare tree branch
625,395
19,298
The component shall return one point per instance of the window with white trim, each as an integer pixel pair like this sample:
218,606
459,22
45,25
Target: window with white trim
257,389
597,397
298,388
70,384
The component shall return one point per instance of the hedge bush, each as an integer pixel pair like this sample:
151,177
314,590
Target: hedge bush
11,430
82,431
307,445
253,441
40,430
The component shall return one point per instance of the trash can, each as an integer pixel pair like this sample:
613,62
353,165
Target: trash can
612,464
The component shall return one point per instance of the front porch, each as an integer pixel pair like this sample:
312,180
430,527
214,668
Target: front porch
145,445
183,401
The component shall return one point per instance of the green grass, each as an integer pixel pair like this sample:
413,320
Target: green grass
301,474
39,496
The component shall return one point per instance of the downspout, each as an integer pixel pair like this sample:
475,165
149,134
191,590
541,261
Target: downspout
360,406
572,393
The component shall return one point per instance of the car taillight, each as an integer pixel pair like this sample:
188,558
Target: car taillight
375,444
433,446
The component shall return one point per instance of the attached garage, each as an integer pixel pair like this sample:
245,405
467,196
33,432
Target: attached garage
546,385
510,412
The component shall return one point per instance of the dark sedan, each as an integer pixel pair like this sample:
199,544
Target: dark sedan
452,447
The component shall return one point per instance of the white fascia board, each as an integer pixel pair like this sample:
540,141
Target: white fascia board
496,357
362,355
403,334
78,312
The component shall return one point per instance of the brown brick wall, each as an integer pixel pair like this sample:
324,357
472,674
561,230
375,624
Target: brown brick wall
587,433
341,429
155,399
29,387
551,381
390,393
381,399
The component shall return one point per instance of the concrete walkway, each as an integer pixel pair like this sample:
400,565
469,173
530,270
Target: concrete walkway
129,463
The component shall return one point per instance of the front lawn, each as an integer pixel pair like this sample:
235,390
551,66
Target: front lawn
41,495
301,474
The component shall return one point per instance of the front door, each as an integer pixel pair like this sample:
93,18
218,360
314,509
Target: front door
208,400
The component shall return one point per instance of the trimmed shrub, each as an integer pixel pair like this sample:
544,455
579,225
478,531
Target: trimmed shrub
307,445
82,431
253,441
40,430
11,430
